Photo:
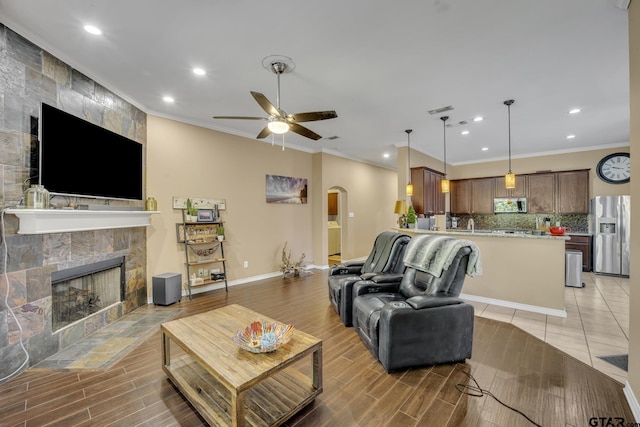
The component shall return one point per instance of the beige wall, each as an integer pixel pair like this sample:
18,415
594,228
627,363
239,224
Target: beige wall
634,308
187,160
369,192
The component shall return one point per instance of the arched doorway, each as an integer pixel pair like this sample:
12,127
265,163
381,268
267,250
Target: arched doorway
335,207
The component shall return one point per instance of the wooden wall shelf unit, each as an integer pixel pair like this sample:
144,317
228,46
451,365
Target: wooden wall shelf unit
201,250
45,221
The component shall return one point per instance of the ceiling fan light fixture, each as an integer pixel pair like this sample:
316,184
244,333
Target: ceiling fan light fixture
278,126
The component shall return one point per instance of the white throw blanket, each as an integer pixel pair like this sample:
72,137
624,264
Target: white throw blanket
434,254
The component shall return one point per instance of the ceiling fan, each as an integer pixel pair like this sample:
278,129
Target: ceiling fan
279,121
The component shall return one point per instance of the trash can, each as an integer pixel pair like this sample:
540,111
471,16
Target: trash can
573,268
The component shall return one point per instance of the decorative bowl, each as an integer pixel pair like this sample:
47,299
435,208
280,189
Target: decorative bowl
558,231
263,337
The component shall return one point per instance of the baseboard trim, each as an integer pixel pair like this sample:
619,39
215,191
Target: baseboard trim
633,402
516,305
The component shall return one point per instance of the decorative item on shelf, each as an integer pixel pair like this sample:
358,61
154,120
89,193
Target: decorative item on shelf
287,267
191,214
150,204
36,197
409,189
204,254
412,219
401,210
204,215
263,337
220,233
444,184
509,178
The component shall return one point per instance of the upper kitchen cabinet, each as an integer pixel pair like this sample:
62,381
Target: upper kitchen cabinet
332,209
460,196
520,190
472,196
542,195
428,198
572,196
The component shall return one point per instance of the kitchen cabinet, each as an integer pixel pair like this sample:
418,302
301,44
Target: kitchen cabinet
428,198
513,193
581,243
482,195
472,196
541,193
460,196
333,204
572,195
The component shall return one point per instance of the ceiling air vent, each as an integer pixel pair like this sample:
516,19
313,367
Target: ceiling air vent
440,110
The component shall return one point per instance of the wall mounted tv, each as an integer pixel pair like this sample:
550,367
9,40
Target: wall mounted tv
80,159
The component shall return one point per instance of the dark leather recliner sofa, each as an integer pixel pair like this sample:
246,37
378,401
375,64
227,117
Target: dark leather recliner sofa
384,263
419,320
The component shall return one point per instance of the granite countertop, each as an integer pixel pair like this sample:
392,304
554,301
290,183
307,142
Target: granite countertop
486,233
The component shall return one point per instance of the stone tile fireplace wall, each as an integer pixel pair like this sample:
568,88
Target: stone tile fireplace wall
28,76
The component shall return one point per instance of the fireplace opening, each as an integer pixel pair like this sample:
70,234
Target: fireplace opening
79,292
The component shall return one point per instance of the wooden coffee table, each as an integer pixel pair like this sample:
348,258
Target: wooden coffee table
231,386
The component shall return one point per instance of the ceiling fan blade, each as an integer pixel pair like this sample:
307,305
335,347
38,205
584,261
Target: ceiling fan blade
266,104
313,116
240,117
265,132
301,130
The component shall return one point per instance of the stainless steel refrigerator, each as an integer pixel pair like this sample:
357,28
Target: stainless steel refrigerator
610,225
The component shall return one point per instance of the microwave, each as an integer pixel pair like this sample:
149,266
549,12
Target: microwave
510,205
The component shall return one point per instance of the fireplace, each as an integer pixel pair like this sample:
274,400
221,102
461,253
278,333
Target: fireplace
80,292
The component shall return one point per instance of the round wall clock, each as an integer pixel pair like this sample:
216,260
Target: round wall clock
615,168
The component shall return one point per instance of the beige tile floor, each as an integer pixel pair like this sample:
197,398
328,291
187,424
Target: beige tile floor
597,322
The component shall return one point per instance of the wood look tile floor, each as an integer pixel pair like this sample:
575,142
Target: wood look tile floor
550,386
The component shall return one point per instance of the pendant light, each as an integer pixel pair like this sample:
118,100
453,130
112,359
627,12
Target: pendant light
444,184
409,185
509,178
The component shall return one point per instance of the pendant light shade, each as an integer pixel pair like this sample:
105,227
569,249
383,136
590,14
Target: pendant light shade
444,184
409,189
510,177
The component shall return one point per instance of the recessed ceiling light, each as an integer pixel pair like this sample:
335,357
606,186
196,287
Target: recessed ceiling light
92,30
485,148
385,155
168,99
464,132
574,111
570,136
199,71
478,119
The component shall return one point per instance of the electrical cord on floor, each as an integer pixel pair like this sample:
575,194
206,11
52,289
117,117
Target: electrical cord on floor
477,391
6,302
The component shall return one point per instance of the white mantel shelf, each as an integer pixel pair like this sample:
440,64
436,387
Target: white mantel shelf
45,221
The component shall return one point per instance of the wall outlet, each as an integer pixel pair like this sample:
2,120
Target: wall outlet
246,264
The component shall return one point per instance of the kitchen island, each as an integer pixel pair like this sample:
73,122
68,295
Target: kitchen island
522,271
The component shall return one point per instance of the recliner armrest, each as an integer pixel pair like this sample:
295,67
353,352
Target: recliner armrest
423,301
386,278
363,287
346,269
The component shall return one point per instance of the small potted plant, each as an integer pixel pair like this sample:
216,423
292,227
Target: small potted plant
191,215
412,219
220,233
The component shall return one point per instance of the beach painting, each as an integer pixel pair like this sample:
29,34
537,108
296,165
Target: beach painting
286,189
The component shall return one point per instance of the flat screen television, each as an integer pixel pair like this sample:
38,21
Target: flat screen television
80,159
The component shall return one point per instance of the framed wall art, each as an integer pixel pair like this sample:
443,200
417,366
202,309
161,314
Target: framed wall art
286,189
